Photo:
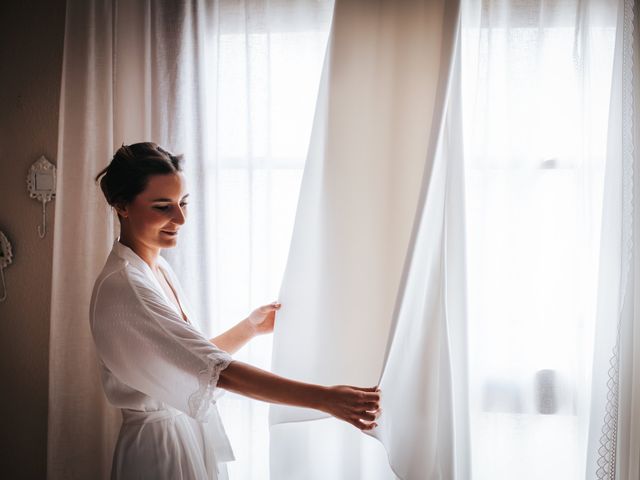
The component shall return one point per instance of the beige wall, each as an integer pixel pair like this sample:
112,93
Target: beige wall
31,33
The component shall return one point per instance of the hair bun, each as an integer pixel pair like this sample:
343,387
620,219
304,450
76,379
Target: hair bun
130,168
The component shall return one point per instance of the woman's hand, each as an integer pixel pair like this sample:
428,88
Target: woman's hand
356,405
262,319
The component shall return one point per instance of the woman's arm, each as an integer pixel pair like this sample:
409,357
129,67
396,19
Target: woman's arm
259,322
235,338
355,405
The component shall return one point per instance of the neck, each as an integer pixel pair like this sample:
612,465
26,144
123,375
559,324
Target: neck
145,252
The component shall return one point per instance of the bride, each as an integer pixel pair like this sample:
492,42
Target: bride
156,366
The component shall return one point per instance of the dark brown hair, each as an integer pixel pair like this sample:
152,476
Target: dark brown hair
128,172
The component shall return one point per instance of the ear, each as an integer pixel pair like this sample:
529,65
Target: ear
121,210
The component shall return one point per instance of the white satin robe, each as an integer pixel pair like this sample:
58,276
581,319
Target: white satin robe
160,371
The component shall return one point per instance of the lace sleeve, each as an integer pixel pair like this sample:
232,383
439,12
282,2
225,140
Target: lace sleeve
201,400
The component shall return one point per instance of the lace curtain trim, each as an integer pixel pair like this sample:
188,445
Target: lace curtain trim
607,452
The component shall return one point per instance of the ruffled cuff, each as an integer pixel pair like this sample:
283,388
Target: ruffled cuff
200,402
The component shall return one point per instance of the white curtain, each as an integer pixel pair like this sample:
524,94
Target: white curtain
614,433
373,292
81,426
536,377
232,86
263,70
537,82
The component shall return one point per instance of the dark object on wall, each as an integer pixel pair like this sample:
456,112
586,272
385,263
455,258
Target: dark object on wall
545,392
6,257
41,183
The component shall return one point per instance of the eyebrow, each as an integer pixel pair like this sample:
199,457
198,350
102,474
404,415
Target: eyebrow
167,199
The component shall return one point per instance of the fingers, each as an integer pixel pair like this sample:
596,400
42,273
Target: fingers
368,416
359,406
369,413
374,411
370,395
370,398
266,309
368,409
368,389
364,426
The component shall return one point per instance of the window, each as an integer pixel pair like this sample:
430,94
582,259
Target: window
266,84
535,106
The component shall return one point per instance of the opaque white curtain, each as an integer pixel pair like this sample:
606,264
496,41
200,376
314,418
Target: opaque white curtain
373,292
231,85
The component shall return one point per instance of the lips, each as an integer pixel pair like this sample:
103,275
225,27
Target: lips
171,233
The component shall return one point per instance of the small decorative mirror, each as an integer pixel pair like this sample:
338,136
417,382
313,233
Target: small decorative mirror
41,182
6,257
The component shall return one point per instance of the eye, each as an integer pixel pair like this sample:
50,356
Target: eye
164,208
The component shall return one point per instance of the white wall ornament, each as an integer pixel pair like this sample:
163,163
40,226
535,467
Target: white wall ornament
41,182
6,257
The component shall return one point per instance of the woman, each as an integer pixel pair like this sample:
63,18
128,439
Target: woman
156,366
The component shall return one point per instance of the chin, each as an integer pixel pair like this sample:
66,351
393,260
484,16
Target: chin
166,242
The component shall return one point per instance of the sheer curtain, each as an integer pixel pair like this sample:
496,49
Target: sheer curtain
231,85
614,434
543,111
263,69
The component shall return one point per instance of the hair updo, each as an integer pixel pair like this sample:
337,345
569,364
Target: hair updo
128,172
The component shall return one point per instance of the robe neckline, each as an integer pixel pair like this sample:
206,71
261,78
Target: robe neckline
127,254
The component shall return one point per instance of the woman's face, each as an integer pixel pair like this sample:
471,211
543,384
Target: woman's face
156,214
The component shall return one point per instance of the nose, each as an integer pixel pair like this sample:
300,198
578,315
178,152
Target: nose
179,217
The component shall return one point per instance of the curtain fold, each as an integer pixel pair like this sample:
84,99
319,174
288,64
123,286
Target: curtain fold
426,431
366,296
82,427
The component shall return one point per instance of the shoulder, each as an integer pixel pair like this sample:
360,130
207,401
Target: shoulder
111,272
118,284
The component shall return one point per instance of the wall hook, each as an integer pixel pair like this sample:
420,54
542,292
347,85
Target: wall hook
42,229
41,182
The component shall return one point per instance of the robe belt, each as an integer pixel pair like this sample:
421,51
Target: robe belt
136,417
